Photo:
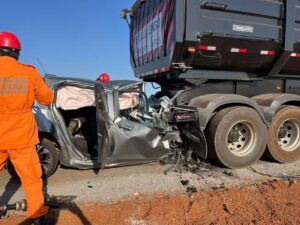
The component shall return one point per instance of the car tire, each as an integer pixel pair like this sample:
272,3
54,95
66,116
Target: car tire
49,158
236,137
283,143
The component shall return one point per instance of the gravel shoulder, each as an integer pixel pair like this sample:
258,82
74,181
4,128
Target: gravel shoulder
270,202
84,188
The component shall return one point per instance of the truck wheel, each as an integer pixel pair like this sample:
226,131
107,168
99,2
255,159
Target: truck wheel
236,137
49,158
284,135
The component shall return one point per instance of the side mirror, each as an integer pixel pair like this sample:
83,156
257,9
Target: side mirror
124,13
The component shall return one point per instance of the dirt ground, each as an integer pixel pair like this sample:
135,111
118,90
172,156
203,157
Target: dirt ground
269,202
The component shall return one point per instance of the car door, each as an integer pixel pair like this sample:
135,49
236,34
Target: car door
102,125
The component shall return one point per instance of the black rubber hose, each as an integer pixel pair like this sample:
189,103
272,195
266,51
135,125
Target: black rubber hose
274,176
5,208
11,207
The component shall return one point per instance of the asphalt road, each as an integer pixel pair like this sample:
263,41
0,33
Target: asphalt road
84,186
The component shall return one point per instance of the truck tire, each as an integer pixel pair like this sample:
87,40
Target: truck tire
284,135
236,137
49,158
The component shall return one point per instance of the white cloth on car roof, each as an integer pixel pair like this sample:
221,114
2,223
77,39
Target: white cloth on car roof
72,98
128,100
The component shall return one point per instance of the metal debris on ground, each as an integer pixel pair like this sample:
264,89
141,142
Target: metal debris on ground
225,208
228,173
219,186
181,161
191,190
184,182
89,184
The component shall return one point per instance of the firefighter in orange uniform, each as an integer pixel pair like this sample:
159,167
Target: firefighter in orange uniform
20,86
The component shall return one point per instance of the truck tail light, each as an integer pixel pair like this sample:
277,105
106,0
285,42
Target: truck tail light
239,50
207,48
266,52
185,117
296,55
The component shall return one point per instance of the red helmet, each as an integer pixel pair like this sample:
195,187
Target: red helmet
9,40
104,78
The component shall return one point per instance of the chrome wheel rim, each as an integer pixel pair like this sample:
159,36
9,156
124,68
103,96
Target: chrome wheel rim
241,138
288,135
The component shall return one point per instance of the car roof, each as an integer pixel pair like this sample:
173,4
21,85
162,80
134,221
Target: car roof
115,84
53,79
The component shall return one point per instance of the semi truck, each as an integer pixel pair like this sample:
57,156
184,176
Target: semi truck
236,62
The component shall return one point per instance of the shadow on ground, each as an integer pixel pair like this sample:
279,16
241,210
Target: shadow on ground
58,203
11,188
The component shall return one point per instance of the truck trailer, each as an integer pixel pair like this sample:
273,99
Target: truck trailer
237,62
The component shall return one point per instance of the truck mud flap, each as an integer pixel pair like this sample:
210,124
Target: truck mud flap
197,141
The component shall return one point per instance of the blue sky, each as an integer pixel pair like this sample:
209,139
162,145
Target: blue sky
80,38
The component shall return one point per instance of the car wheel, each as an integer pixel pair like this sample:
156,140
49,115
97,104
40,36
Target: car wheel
284,135
49,158
236,137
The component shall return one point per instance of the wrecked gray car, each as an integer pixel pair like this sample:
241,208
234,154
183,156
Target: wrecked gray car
93,125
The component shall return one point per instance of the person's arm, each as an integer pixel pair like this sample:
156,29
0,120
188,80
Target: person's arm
43,93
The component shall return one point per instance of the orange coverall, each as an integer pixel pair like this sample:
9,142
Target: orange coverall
20,86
